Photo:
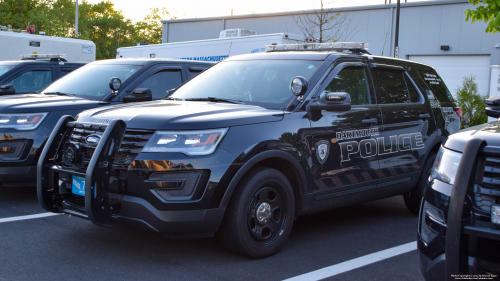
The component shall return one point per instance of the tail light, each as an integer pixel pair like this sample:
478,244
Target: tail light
458,110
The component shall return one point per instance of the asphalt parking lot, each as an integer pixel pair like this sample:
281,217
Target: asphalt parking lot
63,247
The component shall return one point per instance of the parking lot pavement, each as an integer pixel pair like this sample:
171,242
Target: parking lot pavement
61,246
18,201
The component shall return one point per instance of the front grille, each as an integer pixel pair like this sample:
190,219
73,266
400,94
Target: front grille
488,192
76,200
132,143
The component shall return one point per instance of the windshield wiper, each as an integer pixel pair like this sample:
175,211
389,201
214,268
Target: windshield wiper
212,99
170,98
59,94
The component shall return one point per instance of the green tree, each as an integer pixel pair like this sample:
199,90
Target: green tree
489,11
16,12
105,26
55,17
149,30
471,102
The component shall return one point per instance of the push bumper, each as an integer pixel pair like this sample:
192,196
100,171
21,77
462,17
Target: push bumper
105,201
434,270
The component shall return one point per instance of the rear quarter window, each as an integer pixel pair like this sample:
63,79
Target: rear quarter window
435,88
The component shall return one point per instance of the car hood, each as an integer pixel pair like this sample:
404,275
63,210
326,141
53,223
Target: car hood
181,115
489,132
42,103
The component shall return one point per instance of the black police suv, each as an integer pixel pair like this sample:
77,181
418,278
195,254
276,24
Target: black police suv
251,143
33,73
26,121
459,225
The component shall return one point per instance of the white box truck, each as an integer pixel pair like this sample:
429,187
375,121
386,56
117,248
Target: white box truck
13,45
211,49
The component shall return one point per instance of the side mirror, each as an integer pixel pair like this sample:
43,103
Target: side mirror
330,101
299,86
7,89
493,106
114,84
138,95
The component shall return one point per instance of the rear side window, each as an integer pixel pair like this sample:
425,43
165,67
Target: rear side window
414,97
436,86
161,82
351,80
195,70
390,86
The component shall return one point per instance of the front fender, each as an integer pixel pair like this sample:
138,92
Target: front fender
256,159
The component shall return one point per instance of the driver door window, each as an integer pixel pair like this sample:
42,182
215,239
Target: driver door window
31,81
160,82
351,80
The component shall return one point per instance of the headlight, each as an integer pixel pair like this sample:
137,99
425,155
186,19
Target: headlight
27,121
202,142
446,165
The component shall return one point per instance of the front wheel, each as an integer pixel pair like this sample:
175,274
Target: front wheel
412,202
260,215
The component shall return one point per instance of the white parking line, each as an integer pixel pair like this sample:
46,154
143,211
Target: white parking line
28,217
355,263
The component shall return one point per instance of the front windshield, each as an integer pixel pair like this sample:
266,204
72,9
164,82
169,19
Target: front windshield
91,81
5,67
264,83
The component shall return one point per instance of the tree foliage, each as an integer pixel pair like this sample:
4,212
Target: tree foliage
489,11
471,102
149,30
100,22
325,25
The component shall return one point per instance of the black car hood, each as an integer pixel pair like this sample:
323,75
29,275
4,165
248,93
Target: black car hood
181,115
489,132
32,103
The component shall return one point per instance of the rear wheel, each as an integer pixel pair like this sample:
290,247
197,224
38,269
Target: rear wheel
412,202
260,216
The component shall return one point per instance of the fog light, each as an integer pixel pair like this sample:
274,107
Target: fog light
495,214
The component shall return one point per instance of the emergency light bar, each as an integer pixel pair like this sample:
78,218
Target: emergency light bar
34,57
338,46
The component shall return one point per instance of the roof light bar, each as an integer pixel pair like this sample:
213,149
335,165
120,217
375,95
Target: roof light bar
338,46
48,56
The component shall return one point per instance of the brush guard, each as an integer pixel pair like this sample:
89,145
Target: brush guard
460,230
97,174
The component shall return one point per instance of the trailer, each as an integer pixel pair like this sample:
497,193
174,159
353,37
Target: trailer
14,45
211,49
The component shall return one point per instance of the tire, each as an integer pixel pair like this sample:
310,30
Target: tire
253,234
413,201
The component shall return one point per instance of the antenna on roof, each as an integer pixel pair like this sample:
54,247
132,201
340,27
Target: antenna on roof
384,42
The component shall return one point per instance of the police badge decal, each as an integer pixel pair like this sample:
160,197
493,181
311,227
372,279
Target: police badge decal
322,150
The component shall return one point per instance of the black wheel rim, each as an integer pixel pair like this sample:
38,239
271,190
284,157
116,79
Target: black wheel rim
266,224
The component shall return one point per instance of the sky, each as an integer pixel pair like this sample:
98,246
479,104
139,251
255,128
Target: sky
136,10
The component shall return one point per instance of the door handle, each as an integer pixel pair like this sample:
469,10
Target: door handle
369,121
424,115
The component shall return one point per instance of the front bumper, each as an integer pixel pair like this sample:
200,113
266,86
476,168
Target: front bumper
18,176
139,194
434,270
192,223
19,151
481,243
